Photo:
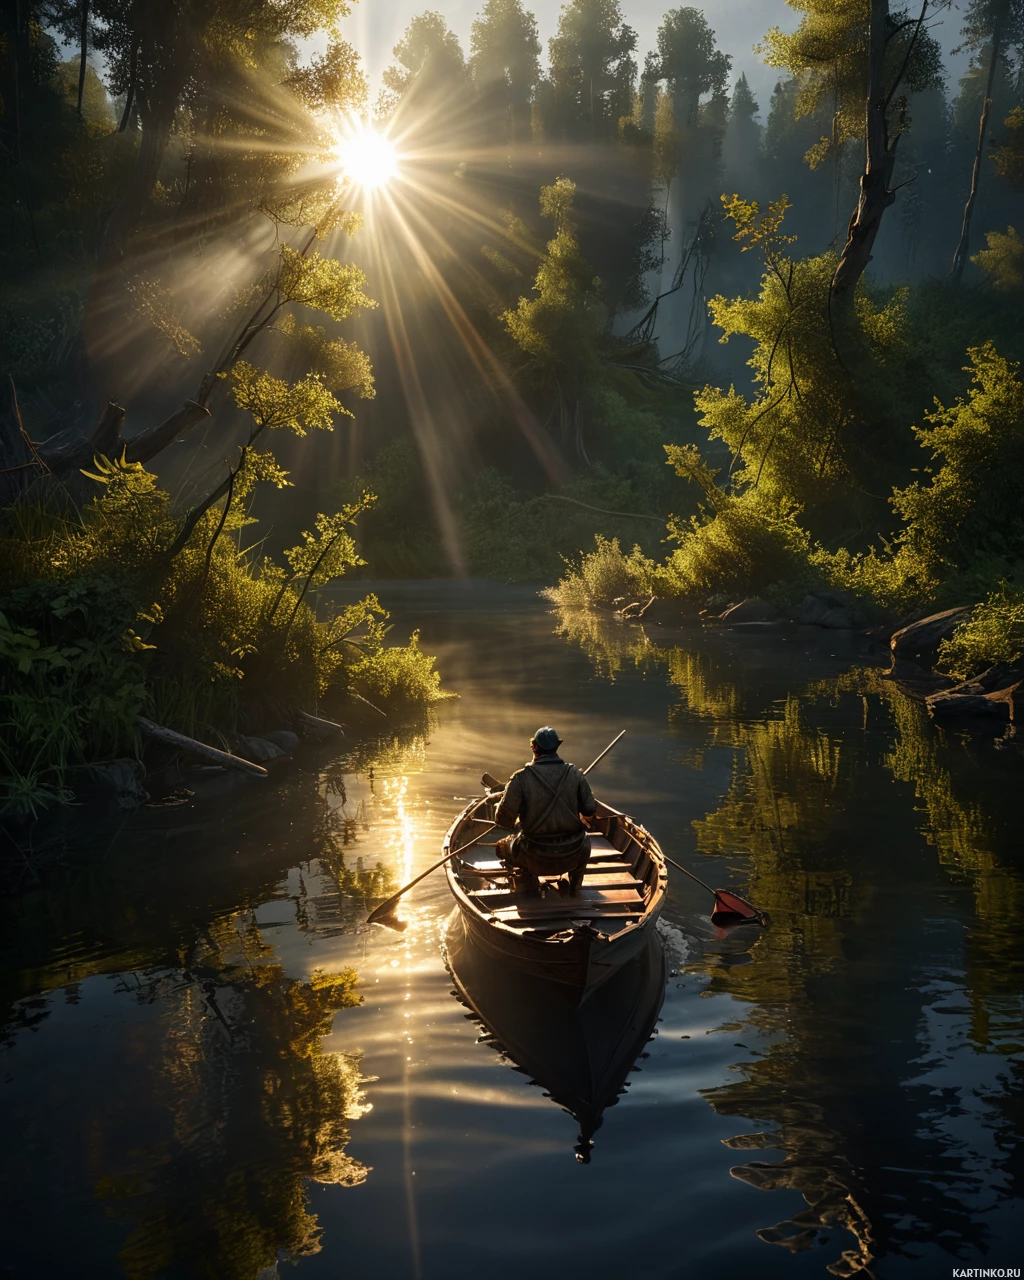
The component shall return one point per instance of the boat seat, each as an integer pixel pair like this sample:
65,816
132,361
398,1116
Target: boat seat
588,901
494,867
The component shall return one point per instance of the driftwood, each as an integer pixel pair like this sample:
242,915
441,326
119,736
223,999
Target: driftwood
325,728
24,463
200,749
147,444
1002,703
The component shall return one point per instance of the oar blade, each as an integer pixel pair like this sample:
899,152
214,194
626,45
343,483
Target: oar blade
730,908
384,914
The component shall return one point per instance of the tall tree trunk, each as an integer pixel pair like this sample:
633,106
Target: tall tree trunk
129,97
84,55
880,156
956,271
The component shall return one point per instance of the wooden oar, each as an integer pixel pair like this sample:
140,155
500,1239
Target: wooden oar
381,914
726,903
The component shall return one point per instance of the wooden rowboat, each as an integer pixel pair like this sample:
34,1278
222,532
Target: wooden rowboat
578,941
580,1055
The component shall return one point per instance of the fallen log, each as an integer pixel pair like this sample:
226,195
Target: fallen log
211,754
1002,703
325,728
69,451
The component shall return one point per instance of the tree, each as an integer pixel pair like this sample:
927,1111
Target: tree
505,63
995,26
854,63
690,63
1009,155
592,68
429,59
181,56
742,146
558,328
917,65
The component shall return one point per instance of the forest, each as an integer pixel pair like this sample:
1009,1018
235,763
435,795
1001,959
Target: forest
588,316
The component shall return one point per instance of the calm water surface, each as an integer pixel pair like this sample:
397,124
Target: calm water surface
213,1068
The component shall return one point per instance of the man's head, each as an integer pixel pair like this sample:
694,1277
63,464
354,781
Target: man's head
545,740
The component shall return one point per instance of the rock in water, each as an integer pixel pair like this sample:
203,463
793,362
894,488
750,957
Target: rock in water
926,634
258,750
826,609
287,741
123,779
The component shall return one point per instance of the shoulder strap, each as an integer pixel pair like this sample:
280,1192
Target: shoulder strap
556,793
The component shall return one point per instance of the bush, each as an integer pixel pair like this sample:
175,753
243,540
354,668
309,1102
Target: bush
745,548
993,633
963,529
114,612
606,573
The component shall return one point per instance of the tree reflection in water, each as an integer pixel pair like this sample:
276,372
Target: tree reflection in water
865,986
239,1109
202,1115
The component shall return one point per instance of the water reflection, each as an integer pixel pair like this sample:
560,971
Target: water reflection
209,1104
171,1078
233,1105
580,1055
892,1078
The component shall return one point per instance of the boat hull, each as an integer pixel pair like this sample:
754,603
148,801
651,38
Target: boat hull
578,941
579,1053
580,963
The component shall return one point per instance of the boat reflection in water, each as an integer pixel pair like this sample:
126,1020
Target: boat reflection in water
579,1054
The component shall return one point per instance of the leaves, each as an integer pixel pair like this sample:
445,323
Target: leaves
330,551
301,406
325,284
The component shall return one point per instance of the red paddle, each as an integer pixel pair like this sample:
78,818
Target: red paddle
729,908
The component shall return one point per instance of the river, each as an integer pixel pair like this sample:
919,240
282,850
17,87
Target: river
211,1063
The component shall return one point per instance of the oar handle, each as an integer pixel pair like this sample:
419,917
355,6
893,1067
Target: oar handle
679,867
604,752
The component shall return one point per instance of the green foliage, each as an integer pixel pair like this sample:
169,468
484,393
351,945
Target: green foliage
101,622
557,328
607,573
1009,157
741,545
505,66
993,633
690,62
397,677
324,284
302,406
592,69
827,55
963,529
71,686
428,53
1003,260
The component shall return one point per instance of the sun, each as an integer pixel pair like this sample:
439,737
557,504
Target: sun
365,157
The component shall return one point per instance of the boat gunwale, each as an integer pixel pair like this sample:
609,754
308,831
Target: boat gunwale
651,908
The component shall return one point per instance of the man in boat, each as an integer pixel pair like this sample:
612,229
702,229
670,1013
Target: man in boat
545,803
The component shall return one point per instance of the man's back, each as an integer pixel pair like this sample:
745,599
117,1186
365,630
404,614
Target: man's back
547,796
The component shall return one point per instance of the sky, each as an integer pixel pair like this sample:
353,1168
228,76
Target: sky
376,26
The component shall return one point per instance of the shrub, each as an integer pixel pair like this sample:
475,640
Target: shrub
114,611
993,633
606,573
745,548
